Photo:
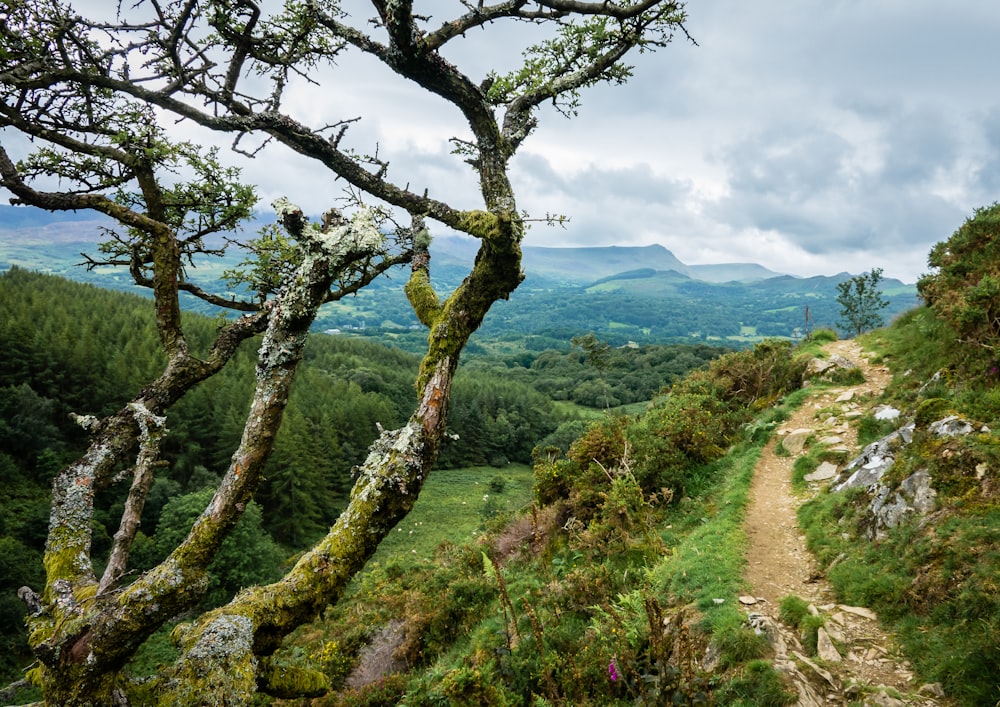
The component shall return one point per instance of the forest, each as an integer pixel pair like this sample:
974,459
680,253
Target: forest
74,348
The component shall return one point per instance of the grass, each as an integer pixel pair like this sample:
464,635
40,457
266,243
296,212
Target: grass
453,506
548,625
933,581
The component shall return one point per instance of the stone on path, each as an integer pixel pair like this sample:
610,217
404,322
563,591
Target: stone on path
825,649
860,611
795,441
824,471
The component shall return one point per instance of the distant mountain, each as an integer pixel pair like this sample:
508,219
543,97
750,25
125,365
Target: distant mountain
731,272
621,293
582,265
586,265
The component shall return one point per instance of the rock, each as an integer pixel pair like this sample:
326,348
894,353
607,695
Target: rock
886,412
877,458
860,611
765,626
845,397
834,632
841,362
887,510
825,649
808,697
711,660
882,699
819,366
825,675
795,441
378,658
952,426
824,471
831,440
931,689
748,600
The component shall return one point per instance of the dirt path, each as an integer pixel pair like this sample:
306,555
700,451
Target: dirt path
866,661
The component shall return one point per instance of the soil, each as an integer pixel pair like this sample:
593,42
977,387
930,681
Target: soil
779,564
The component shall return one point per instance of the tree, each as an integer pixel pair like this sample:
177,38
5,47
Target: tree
860,301
98,95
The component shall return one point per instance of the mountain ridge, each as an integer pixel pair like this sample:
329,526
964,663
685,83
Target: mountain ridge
559,264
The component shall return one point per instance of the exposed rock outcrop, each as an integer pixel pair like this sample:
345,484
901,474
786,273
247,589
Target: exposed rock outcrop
914,495
845,663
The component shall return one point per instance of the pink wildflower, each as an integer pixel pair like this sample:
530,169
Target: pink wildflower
612,670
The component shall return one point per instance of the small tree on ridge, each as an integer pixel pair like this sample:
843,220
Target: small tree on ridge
860,300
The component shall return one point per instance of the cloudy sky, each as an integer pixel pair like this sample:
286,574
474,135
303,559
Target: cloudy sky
810,136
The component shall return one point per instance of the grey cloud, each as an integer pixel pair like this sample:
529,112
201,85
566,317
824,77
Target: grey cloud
634,183
918,145
987,175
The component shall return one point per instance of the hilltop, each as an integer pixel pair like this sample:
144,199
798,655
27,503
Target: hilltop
620,293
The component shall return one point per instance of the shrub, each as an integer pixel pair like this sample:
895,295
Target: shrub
965,290
793,610
757,377
689,427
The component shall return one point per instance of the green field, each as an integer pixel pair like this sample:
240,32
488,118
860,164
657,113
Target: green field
453,506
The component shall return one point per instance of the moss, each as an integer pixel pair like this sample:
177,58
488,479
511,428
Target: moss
289,682
481,224
65,560
218,666
423,298
932,410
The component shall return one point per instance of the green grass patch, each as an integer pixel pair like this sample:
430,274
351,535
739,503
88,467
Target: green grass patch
757,684
707,564
453,506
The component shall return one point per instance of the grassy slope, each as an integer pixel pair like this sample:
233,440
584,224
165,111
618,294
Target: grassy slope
452,507
937,583
935,580
584,600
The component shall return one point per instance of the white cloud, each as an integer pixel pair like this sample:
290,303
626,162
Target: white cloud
811,136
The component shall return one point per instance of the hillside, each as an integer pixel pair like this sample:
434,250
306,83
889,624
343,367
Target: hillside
74,348
621,294
609,592
627,579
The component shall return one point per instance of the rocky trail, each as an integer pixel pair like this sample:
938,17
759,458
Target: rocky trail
857,663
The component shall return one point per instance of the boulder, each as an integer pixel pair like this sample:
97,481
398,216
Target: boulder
951,426
888,509
795,441
824,471
886,412
870,466
825,650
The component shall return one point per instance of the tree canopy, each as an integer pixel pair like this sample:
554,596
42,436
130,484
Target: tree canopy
861,302
90,105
